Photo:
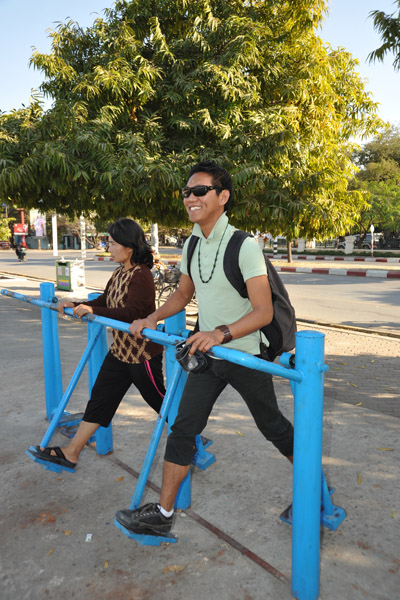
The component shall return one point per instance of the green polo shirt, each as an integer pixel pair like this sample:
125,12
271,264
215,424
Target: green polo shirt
218,301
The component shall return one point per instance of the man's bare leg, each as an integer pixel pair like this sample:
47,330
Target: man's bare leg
173,475
79,441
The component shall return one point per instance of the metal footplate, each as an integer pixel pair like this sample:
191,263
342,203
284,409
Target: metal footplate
331,515
69,420
48,466
202,459
147,538
70,432
70,424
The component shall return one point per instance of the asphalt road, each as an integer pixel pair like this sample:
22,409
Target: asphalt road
362,302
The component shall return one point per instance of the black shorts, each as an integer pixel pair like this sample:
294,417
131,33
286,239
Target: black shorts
113,381
199,396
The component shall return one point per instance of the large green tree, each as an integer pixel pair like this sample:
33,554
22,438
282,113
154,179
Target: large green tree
379,181
154,87
388,26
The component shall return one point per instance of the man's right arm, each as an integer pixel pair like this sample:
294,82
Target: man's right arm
172,306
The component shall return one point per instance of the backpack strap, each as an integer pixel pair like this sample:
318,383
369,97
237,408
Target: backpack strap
190,250
231,262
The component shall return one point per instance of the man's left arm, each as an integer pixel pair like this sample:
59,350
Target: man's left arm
262,312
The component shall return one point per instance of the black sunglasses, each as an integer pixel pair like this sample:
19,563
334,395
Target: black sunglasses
199,190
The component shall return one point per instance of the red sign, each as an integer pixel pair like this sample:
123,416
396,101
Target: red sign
20,229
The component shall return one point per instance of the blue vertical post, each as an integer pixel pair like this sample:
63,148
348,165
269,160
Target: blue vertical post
308,413
155,438
51,352
177,325
104,438
67,395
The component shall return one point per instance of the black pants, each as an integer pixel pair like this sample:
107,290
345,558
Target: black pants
199,396
113,381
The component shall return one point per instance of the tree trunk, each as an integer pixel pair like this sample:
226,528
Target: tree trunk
289,250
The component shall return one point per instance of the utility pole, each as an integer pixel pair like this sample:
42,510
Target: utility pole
154,236
372,228
54,234
83,237
20,228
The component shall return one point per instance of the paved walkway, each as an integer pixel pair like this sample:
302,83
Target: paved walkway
363,369
58,538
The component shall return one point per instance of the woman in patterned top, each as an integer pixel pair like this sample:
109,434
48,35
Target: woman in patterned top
129,295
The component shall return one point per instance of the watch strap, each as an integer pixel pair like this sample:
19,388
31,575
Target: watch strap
227,333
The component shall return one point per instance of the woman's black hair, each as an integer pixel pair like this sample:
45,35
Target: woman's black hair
129,234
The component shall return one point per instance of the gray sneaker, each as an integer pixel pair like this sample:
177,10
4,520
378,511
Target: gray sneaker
144,519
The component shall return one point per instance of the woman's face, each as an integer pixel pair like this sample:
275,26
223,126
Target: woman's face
119,254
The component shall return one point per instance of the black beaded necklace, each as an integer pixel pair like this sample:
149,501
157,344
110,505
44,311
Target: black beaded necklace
215,259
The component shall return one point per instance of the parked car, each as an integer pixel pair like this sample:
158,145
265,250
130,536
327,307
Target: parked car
365,244
5,245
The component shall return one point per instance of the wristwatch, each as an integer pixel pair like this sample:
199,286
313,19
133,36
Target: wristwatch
227,333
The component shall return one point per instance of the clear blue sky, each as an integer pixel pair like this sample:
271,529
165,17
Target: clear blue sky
348,26
24,24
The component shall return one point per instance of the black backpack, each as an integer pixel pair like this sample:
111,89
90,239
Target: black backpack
281,331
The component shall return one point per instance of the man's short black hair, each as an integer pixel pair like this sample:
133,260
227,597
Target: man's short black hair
221,177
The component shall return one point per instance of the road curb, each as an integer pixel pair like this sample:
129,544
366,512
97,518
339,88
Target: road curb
389,259
341,272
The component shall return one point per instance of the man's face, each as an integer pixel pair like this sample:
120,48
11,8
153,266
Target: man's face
205,210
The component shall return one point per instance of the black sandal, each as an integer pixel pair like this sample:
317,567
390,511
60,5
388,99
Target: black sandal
58,460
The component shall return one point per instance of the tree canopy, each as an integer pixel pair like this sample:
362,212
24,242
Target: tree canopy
154,87
379,180
388,26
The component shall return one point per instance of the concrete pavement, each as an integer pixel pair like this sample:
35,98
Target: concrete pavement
58,537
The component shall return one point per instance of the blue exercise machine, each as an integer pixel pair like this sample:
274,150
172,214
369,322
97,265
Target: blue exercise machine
312,503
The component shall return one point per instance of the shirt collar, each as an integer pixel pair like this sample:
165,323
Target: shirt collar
216,232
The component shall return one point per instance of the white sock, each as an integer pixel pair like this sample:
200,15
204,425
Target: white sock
165,513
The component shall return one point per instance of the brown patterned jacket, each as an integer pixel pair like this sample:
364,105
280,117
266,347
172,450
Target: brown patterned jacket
129,295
